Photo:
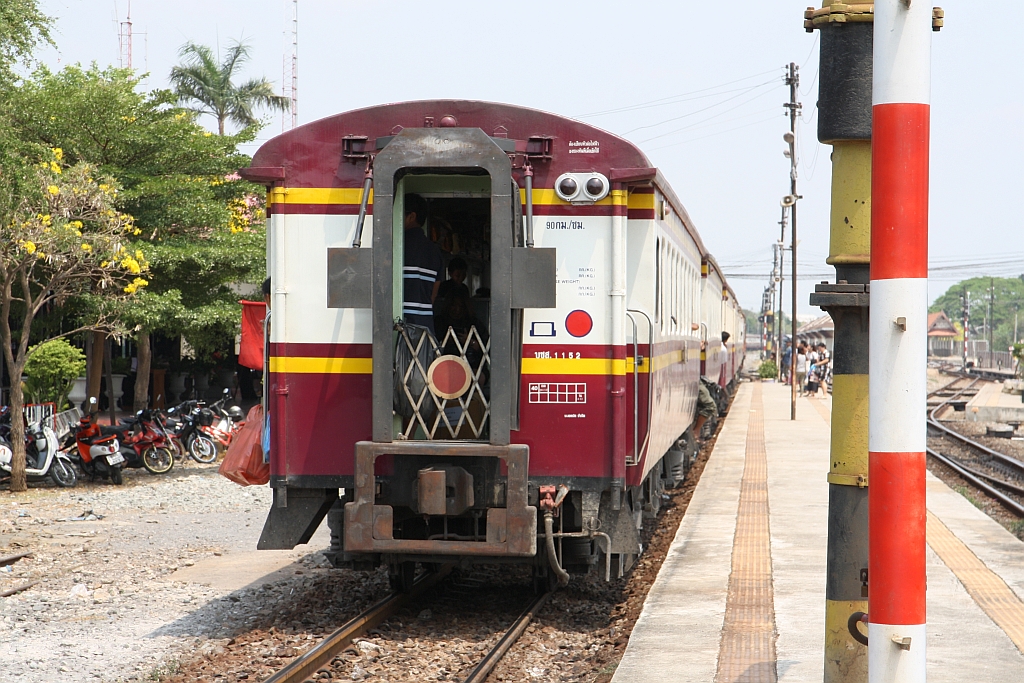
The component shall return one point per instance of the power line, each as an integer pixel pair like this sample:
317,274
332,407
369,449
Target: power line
704,109
666,100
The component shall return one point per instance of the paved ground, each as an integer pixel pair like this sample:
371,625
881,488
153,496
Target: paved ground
678,635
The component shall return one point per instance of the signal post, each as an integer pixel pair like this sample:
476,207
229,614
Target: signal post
844,121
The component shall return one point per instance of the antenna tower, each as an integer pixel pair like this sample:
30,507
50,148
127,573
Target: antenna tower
125,40
290,70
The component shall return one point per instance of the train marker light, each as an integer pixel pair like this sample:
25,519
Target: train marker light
579,323
567,188
582,188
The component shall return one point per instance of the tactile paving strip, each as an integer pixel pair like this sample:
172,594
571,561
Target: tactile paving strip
823,410
747,654
986,587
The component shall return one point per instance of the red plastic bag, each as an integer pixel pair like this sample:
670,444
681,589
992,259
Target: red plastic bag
243,463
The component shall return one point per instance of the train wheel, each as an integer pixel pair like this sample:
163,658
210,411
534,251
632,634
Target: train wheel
401,575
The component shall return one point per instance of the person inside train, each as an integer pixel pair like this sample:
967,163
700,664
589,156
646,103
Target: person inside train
457,271
423,266
455,283
459,318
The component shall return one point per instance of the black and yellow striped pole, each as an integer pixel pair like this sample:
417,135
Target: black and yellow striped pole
844,121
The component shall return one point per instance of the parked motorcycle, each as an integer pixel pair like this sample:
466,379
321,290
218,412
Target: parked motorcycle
143,443
96,453
224,423
43,457
182,423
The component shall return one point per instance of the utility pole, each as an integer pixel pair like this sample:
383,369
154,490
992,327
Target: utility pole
844,122
793,81
966,299
990,323
779,280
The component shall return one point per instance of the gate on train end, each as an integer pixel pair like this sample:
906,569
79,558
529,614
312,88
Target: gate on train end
438,422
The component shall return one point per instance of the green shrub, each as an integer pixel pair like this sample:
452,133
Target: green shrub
51,369
768,370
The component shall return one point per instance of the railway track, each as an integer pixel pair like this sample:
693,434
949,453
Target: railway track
1010,495
313,662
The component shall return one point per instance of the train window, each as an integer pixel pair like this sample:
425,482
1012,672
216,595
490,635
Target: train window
657,280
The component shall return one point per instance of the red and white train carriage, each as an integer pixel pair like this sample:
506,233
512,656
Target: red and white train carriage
597,297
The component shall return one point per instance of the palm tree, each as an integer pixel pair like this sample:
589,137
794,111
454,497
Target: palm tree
205,86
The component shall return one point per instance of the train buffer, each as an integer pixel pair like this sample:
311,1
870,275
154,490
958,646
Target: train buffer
740,595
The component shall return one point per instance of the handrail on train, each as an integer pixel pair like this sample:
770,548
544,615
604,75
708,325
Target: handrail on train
637,361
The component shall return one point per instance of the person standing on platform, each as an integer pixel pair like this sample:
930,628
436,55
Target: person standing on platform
787,355
421,272
801,368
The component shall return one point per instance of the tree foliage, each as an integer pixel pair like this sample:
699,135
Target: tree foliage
60,237
205,85
51,368
22,28
1007,303
199,224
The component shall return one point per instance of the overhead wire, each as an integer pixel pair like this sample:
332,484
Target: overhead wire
662,101
704,109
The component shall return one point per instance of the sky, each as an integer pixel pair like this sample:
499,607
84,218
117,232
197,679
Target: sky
697,86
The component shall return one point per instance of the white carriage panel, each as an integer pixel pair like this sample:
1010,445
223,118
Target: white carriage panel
641,274
298,270
584,279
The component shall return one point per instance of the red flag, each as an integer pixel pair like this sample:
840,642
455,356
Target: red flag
251,353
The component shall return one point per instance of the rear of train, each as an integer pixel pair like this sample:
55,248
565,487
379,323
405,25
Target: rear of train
544,433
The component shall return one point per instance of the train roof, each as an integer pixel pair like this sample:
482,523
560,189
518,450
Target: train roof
311,155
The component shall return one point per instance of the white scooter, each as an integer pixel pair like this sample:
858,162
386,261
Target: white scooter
43,456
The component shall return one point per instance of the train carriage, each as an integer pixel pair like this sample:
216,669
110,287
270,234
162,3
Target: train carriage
545,430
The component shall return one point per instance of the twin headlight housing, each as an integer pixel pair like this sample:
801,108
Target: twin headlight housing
582,188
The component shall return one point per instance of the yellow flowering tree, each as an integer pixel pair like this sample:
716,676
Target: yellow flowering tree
60,237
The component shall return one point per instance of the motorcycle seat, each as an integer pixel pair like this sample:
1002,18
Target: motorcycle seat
118,430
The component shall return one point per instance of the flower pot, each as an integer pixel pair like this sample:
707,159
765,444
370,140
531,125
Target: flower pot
79,389
116,391
175,387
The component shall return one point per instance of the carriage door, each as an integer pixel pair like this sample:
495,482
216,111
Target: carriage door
466,177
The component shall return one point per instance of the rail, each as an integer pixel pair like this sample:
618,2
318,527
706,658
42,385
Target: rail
981,480
307,664
637,362
501,648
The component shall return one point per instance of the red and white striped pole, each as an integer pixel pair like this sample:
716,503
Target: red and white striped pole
898,341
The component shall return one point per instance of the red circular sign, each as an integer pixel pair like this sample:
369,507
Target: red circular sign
449,376
579,323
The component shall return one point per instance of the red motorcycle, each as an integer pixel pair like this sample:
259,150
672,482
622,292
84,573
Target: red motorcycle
97,454
143,443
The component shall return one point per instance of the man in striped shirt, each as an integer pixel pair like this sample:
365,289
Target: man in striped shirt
421,274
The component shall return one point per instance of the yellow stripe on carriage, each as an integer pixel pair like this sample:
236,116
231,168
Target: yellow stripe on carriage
354,195
597,366
574,366
322,366
317,195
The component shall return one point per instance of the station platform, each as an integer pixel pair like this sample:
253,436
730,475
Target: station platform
992,404
741,593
